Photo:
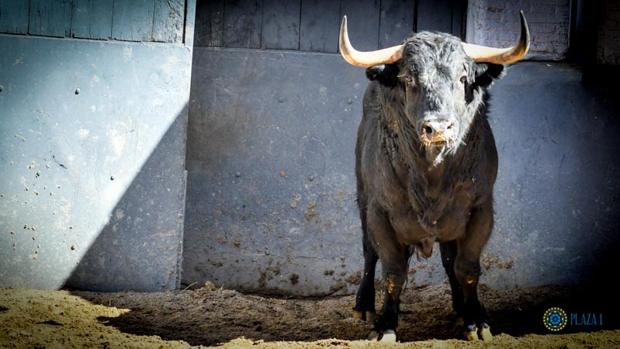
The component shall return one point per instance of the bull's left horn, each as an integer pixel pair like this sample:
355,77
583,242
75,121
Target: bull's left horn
369,58
496,55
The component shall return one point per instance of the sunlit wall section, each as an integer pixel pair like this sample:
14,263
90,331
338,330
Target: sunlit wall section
92,148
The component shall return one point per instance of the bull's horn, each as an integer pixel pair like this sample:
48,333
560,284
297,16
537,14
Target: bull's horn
369,58
496,55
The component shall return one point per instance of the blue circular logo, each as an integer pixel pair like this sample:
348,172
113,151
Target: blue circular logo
555,319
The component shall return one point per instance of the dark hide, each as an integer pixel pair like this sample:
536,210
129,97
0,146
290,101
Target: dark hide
412,194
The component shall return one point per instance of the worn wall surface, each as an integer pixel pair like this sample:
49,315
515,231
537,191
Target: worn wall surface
608,33
270,164
92,144
271,193
496,23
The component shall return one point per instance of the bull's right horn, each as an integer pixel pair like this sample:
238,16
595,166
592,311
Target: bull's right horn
496,55
365,59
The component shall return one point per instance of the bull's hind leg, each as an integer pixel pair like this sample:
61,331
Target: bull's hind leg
394,259
365,299
467,271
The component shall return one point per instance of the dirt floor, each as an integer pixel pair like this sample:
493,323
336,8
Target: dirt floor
211,316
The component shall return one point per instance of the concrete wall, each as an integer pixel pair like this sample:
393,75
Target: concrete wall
608,30
496,23
92,144
270,201
271,193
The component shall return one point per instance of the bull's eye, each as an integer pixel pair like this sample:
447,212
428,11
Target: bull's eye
463,79
406,78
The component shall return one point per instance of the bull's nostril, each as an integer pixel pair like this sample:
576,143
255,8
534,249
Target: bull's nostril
428,130
450,126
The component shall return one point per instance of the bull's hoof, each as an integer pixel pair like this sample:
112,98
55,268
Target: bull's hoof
485,332
368,316
388,336
471,333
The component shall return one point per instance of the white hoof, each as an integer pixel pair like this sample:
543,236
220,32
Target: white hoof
471,335
389,336
485,332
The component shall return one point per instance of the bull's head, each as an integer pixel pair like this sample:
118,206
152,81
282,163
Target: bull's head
441,79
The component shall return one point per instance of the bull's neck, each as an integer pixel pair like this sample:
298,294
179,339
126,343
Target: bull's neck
423,177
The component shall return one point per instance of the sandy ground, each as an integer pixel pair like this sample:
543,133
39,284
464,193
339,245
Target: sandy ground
211,316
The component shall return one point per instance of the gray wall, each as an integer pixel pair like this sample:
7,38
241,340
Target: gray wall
92,143
271,194
608,33
496,23
270,160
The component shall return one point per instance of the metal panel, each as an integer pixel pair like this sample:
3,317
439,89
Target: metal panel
139,248
78,120
14,17
92,19
270,161
133,20
209,23
363,22
168,20
50,17
320,22
242,23
281,24
396,21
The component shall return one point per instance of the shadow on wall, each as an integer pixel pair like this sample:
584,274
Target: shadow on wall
140,247
601,241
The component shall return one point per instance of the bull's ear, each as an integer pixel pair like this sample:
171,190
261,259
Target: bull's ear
486,73
386,74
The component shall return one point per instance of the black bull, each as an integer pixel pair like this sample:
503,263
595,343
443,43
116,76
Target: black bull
426,163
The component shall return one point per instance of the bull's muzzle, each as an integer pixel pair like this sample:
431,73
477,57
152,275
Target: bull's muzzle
438,131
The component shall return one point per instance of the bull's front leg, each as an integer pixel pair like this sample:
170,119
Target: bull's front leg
394,260
467,271
448,251
365,298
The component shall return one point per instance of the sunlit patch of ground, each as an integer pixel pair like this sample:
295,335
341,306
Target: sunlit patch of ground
211,316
